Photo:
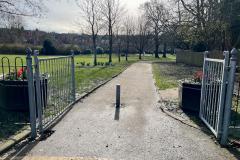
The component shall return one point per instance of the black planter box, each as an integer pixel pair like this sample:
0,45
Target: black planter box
14,95
189,97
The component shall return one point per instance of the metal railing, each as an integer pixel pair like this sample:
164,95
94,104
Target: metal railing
52,80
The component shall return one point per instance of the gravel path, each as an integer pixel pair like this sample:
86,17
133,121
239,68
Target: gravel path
142,131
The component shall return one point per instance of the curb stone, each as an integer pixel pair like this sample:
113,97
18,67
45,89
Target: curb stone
14,140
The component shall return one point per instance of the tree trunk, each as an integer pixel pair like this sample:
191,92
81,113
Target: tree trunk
126,55
165,50
119,53
94,51
156,50
110,48
156,44
127,50
110,40
140,55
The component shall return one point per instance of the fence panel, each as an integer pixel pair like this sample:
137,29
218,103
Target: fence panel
213,93
55,87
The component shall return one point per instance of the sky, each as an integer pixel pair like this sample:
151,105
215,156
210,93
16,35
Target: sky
61,16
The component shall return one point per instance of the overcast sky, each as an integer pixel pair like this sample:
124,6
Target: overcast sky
62,15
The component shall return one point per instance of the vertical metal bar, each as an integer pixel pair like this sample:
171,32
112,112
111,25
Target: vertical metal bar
59,105
223,93
65,80
206,78
73,77
209,106
214,94
69,80
45,95
219,72
38,91
208,90
43,68
202,104
61,85
228,105
31,94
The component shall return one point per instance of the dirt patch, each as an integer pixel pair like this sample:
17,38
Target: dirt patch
169,103
169,94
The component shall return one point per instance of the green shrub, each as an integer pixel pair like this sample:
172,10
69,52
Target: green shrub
15,49
99,50
82,63
48,48
87,51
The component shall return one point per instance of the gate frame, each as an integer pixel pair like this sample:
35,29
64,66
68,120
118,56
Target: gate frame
226,93
220,106
31,94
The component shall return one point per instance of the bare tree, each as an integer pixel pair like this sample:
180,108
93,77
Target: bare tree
90,10
157,16
119,31
111,11
142,35
16,22
129,28
21,7
209,23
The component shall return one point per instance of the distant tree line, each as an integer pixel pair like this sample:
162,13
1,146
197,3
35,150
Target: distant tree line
159,28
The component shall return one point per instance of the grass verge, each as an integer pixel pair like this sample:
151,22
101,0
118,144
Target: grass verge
167,74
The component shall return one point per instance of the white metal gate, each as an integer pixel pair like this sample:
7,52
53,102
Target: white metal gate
216,96
213,92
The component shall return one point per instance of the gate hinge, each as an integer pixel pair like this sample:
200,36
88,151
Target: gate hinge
228,67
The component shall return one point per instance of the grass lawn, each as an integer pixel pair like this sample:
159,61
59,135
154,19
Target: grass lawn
168,74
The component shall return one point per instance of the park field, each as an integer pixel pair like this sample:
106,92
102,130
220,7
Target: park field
89,76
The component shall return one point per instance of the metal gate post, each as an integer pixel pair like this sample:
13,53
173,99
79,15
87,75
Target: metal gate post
38,91
31,94
223,94
73,77
229,94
